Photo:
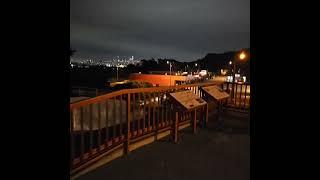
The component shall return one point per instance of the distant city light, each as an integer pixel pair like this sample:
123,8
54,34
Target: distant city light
244,78
203,72
109,62
229,78
164,96
230,62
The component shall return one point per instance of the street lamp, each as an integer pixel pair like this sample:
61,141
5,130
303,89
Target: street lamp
196,64
241,57
170,70
117,72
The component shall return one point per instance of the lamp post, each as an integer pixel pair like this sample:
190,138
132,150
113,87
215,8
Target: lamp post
242,56
117,73
170,70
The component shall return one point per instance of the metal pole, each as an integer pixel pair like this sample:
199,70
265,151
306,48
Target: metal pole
234,76
117,73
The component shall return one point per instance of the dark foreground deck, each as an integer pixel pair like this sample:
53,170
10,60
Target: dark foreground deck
210,154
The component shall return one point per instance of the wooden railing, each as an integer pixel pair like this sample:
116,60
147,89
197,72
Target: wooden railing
87,92
240,95
84,91
99,124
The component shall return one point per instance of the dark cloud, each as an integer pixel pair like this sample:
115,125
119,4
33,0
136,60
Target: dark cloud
181,29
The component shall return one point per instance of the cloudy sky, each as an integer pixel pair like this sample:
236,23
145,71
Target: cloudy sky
180,29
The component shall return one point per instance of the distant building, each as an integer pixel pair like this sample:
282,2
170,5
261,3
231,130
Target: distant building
162,72
158,79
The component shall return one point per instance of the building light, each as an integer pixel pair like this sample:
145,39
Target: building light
244,78
164,96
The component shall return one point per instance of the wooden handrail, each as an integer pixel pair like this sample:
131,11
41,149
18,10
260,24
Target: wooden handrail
146,128
135,90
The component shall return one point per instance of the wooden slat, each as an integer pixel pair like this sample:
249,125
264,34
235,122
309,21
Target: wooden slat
235,95
176,127
207,114
72,155
114,118
158,110
162,108
139,99
120,118
107,123
240,96
195,121
82,135
228,88
133,110
144,111
153,111
149,111
90,129
99,126
127,147
166,108
245,96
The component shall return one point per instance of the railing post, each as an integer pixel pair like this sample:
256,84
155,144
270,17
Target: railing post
82,134
71,138
91,129
107,124
99,126
245,96
127,145
207,114
175,128
195,121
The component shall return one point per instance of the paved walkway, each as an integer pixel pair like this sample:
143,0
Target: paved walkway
211,154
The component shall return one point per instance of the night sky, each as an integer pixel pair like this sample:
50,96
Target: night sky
181,29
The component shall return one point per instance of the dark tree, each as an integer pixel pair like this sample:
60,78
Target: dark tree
71,52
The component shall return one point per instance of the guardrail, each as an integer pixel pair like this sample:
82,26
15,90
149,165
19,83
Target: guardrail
240,95
99,124
86,91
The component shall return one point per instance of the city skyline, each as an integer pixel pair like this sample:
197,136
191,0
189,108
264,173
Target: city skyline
181,30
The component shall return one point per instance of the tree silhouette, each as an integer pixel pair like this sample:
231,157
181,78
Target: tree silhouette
71,52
